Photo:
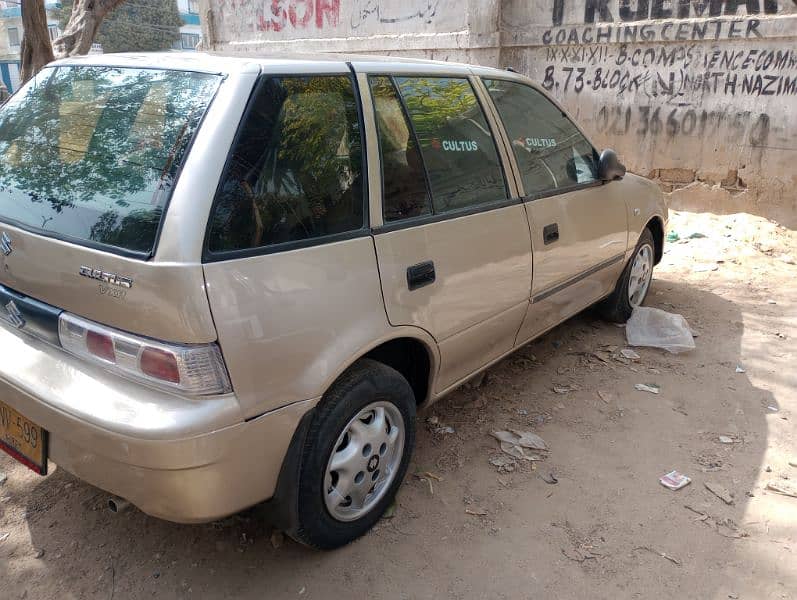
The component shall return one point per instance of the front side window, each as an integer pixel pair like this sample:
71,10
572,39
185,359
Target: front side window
92,153
295,169
404,193
551,152
457,146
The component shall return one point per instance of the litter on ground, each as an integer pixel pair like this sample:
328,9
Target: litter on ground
659,329
674,480
519,444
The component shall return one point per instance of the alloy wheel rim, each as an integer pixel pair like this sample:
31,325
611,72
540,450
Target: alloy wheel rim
364,461
641,274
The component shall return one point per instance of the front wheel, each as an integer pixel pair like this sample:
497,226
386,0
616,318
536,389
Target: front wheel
355,455
634,283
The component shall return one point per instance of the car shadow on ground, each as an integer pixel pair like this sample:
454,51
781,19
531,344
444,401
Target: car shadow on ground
599,532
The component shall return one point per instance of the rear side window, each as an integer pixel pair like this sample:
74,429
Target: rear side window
404,193
551,152
91,153
295,169
456,143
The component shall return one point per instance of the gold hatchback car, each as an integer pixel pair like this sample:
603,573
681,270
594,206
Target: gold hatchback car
229,280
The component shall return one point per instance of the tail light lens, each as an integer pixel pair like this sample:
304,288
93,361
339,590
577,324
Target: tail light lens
190,369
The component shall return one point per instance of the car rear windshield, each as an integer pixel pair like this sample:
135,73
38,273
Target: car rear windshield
91,153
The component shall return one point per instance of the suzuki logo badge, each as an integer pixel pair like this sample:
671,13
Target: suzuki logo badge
5,244
14,316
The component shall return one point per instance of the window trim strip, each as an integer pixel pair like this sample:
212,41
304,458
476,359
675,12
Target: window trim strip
445,216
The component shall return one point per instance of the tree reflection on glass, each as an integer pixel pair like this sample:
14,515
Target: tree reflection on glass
92,152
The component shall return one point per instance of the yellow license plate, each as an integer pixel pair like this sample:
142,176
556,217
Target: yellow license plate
23,439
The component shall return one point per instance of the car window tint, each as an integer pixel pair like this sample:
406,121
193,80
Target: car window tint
404,192
295,170
456,143
551,152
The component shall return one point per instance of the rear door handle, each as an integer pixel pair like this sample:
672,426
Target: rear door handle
550,233
420,275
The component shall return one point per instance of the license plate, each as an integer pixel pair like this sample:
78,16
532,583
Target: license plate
23,439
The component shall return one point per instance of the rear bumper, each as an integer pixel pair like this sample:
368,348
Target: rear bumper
185,460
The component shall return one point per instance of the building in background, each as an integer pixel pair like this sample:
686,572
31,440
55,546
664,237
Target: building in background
11,38
190,31
11,34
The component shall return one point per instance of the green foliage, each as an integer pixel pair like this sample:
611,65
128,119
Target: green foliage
135,26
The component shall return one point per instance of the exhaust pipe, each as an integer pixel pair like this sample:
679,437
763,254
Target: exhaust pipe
118,505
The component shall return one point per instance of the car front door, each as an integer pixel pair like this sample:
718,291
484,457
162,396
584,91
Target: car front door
578,224
453,248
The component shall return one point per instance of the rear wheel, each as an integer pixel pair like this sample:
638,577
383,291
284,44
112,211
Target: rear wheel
355,455
634,283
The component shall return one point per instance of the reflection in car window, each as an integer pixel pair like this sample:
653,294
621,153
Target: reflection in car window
457,147
92,152
551,152
403,180
295,171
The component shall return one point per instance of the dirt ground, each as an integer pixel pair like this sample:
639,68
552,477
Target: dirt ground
607,529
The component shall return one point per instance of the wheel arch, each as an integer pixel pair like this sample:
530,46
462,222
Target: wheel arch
409,350
656,227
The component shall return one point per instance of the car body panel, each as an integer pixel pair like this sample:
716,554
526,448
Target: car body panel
287,321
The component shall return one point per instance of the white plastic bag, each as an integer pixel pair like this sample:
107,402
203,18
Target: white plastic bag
659,329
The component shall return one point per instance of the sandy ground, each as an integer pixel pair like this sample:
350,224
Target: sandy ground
607,529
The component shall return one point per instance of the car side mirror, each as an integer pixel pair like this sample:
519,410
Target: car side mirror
609,167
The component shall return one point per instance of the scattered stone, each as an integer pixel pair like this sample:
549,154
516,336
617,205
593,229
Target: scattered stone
4,536
720,492
562,389
39,553
477,512
782,488
647,387
3,478
740,369
630,354
724,439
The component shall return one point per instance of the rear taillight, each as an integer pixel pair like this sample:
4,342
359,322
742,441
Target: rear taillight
191,369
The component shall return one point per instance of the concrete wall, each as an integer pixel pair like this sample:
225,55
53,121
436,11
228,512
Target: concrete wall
700,95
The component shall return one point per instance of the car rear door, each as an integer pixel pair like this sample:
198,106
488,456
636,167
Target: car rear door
452,238
578,224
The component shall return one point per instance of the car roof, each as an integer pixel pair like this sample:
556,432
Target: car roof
227,63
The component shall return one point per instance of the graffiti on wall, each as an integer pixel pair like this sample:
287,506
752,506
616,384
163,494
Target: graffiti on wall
642,10
277,15
365,12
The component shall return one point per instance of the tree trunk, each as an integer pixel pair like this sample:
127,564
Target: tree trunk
85,20
35,50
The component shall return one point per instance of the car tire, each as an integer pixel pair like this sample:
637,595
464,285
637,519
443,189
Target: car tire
619,305
360,438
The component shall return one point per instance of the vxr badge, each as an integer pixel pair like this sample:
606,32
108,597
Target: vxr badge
5,244
14,316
